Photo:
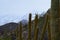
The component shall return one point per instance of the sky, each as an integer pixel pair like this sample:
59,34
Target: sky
16,10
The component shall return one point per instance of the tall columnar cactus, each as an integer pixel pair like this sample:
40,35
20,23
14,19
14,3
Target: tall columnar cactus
20,32
44,28
48,27
29,27
16,33
35,28
55,20
36,34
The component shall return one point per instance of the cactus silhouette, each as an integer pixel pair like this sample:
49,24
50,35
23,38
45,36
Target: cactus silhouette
29,27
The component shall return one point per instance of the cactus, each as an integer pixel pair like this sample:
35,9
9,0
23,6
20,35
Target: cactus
20,33
16,31
44,28
29,27
35,28
48,27
55,20
36,34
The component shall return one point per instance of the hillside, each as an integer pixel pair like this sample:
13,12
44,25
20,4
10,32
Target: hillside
10,27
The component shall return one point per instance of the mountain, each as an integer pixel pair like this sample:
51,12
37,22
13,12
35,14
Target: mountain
24,22
9,27
12,26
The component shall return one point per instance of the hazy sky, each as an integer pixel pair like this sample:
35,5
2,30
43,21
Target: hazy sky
16,10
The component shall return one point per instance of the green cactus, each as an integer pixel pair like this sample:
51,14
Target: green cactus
55,20
36,34
29,27
48,27
20,33
36,28
44,28
16,31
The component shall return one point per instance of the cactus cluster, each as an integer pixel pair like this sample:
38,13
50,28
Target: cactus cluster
51,24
